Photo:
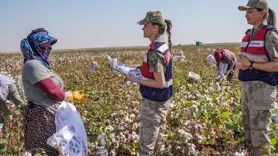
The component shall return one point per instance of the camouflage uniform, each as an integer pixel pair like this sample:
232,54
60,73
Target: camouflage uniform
153,114
258,98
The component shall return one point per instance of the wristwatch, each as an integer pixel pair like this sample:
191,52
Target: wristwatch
251,65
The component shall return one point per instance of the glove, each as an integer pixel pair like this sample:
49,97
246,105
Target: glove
77,95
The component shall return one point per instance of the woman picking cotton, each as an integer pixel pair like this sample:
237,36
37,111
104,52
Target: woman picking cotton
225,63
43,90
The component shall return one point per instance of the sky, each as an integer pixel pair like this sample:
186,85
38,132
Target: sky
112,23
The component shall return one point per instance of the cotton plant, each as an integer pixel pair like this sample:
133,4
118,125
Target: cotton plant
203,116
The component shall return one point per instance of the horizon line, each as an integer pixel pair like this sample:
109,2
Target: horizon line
119,47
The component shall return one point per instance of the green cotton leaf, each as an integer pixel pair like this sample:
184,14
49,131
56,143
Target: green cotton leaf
273,141
229,126
214,96
224,115
7,113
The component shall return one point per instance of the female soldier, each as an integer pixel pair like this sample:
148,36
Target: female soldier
157,66
258,79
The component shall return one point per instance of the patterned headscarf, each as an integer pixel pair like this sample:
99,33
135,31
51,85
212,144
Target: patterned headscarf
37,45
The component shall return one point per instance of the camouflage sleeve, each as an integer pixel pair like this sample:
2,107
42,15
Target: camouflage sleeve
156,62
271,44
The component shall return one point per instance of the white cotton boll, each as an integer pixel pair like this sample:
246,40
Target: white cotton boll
109,128
208,98
225,104
200,139
128,82
211,89
239,154
134,136
181,131
210,104
126,132
186,122
26,153
113,114
121,123
127,119
194,108
134,126
112,135
122,135
185,135
169,148
128,136
172,105
113,152
115,142
132,116
135,111
192,150
121,128
218,87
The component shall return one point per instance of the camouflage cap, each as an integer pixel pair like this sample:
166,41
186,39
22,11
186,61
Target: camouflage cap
153,17
259,4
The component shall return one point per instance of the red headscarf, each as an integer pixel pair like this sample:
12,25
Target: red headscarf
218,54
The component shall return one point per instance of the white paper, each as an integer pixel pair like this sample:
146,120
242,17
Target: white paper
126,69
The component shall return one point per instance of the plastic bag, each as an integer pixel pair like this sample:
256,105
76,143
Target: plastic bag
210,60
194,76
70,131
93,66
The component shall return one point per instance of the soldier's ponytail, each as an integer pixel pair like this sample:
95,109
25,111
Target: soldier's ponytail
169,27
271,17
